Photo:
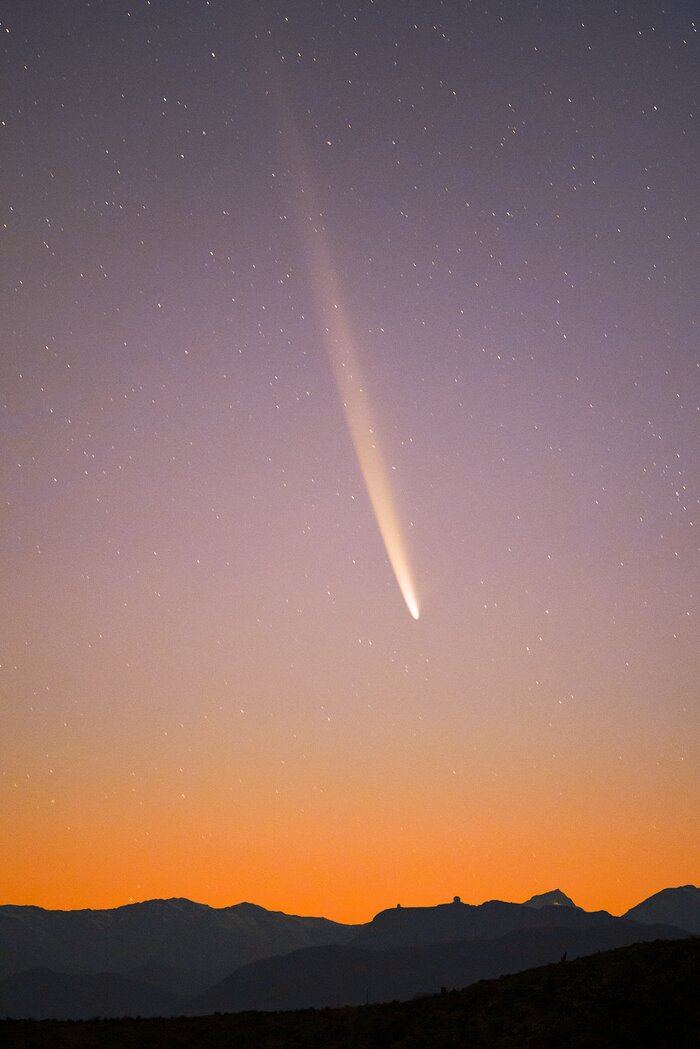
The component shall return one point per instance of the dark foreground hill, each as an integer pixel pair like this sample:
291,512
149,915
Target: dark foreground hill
642,997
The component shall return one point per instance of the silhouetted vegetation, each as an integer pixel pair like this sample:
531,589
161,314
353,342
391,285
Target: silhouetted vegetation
639,997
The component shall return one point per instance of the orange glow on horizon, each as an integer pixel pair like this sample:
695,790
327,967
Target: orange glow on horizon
83,883
346,853
222,263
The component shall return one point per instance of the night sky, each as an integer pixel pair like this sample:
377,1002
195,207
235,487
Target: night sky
292,294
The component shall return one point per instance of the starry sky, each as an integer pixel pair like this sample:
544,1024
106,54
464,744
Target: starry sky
254,254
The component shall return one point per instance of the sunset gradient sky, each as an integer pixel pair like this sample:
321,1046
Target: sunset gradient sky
211,686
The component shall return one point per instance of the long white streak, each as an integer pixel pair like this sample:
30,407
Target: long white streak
346,370
358,414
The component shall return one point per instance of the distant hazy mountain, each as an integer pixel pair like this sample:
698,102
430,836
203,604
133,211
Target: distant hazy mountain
167,956
41,994
555,898
334,976
680,907
171,933
316,976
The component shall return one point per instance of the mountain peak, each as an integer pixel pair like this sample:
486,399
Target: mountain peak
554,898
678,906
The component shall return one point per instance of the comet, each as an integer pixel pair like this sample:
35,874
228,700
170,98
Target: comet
360,418
343,357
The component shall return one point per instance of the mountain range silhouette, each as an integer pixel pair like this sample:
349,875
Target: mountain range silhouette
176,957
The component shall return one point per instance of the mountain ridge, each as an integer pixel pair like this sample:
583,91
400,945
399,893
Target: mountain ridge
680,905
175,932
552,896
165,955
